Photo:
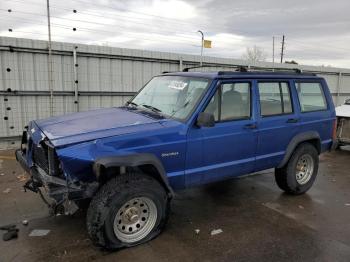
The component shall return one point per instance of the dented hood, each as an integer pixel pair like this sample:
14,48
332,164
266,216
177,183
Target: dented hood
89,125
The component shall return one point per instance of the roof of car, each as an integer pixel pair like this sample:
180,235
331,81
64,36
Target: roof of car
237,74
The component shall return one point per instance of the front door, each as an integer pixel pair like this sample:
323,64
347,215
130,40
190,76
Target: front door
228,148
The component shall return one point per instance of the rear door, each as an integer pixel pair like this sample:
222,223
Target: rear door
228,148
278,121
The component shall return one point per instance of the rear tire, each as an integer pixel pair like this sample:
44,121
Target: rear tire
300,172
128,210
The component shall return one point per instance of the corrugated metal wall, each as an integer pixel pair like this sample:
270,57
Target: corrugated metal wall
106,76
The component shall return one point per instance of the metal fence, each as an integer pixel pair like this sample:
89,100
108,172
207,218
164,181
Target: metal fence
87,77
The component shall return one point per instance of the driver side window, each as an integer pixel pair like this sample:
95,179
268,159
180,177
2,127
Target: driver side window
213,106
230,102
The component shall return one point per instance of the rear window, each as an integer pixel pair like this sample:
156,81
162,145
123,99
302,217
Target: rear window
311,96
274,98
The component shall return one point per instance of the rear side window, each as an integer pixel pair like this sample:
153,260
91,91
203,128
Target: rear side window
311,97
274,98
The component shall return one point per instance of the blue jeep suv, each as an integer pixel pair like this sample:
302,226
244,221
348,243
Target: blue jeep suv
182,129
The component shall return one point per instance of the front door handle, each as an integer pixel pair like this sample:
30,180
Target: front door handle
293,120
250,126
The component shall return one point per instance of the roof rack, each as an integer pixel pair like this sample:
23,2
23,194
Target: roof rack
186,69
262,70
244,69
239,68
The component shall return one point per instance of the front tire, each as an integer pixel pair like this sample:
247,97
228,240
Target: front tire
128,210
300,172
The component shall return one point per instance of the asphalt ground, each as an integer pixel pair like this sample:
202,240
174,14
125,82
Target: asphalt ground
258,221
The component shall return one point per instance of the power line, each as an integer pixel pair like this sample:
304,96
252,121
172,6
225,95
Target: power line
112,16
141,21
104,24
109,32
104,33
97,31
36,22
128,10
132,19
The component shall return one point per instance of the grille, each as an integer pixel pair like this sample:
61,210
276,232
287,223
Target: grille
45,157
40,157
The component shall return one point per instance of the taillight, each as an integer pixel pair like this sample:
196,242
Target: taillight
334,133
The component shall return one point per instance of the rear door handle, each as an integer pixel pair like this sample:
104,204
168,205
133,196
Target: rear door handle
292,120
250,126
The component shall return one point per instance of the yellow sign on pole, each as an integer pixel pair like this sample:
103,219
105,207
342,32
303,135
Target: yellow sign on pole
207,43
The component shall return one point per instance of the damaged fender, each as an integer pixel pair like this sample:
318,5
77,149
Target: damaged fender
134,160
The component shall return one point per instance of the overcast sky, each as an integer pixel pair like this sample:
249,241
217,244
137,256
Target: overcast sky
317,31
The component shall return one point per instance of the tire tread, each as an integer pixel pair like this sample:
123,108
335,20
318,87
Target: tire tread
98,209
283,175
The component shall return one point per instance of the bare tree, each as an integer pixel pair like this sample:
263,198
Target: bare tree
254,54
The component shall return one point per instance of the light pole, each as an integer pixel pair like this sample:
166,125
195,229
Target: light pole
50,57
199,31
273,52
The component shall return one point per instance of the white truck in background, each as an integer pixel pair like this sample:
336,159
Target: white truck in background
343,120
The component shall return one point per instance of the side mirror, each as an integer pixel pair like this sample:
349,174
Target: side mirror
205,120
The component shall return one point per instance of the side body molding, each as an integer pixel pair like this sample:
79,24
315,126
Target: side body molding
302,137
133,160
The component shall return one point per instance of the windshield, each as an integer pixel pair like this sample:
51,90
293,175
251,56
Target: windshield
173,96
347,102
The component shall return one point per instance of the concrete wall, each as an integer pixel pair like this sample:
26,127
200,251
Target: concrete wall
105,77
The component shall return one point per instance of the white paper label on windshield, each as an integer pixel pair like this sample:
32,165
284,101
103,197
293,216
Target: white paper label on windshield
177,85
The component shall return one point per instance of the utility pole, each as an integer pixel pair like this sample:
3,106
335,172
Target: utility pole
282,49
199,31
50,57
273,51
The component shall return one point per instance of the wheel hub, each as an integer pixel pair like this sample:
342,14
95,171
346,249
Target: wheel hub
304,169
131,215
135,219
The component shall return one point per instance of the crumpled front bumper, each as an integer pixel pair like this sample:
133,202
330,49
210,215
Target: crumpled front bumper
39,176
59,190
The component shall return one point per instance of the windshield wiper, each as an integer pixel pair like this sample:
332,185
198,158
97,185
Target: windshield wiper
131,103
154,109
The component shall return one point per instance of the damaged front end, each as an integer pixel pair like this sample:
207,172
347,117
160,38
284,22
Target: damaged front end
38,157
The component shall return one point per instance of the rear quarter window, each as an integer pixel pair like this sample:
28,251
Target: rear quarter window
311,96
275,98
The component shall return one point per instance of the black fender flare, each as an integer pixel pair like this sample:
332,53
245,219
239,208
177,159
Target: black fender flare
296,140
133,160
